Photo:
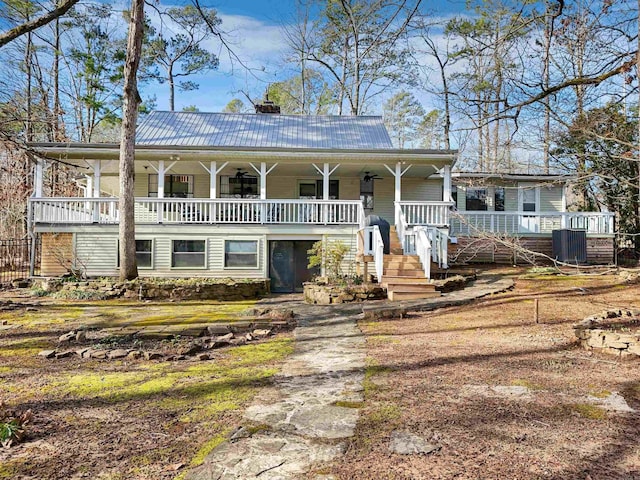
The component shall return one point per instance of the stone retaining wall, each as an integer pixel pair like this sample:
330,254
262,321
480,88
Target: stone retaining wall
164,289
616,332
329,294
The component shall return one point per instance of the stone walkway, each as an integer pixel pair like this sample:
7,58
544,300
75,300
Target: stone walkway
311,411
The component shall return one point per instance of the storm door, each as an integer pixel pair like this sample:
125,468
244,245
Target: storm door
288,260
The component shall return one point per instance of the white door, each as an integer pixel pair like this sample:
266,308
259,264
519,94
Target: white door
528,206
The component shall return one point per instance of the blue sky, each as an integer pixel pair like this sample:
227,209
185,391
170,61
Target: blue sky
254,28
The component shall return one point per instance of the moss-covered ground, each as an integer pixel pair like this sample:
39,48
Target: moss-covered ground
124,419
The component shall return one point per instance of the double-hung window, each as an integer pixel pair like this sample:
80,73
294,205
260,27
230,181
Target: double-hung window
241,253
476,199
188,254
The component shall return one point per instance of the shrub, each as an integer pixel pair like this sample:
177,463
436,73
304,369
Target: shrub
330,256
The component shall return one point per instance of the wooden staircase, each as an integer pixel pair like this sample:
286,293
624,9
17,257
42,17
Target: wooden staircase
403,275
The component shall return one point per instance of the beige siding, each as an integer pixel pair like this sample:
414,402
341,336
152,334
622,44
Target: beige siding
348,265
420,190
551,198
383,195
100,252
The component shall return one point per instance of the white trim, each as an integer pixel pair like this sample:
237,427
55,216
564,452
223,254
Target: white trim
240,239
205,253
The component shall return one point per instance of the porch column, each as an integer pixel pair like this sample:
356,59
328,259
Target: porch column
96,166
161,170
213,172
38,178
446,181
88,191
262,173
326,172
397,173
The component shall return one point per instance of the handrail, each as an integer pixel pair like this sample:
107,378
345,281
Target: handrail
378,252
200,210
426,213
423,250
511,223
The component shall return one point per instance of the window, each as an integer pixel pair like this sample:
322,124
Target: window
454,194
144,253
498,199
244,186
188,254
529,200
177,186
314,189
366,194
241,253
476,199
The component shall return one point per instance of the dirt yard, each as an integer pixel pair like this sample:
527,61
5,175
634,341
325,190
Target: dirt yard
502,396
129,418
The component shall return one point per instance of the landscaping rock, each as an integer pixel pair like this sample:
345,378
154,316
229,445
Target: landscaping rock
65,354
135,355
67,337
218,329
190,350
203,356
81,353
405,443
47,353
99,354
153,355
261,333
81,336
118,353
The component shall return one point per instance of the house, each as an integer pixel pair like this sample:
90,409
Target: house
246,195
500,216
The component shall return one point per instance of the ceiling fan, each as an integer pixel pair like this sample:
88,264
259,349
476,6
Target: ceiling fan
368,176
241,173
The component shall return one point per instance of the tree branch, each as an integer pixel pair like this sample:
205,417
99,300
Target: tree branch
27,27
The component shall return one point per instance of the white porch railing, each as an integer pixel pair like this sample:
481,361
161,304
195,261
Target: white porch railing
199,211
426,213
514,223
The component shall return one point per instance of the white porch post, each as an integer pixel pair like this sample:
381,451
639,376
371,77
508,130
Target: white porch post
38,178
446,174
161,170
96,166
326,175
262,173
397,174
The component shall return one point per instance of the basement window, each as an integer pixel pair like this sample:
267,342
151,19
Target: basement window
188,254
241,253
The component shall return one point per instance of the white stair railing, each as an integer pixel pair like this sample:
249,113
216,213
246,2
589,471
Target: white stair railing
423,249
374,245
439,246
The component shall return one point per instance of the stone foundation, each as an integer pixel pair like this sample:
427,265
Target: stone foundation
615,332
164,289
329,294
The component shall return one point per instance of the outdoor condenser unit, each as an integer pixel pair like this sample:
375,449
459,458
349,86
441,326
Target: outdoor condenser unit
570,246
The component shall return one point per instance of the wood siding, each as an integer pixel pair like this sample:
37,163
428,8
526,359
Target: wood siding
600,250
57,250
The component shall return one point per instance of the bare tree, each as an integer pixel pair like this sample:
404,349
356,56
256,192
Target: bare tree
131,101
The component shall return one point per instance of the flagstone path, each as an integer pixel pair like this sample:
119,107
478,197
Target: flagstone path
312,409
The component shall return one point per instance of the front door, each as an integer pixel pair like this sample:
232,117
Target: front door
288,260
528,201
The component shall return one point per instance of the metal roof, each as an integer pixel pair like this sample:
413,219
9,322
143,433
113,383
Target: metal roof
199,129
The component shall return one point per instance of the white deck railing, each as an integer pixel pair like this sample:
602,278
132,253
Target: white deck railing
199,211
426,213
518,223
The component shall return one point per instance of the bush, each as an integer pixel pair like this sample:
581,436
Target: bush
330,256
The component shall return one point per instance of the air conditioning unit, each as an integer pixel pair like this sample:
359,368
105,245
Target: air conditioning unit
570,246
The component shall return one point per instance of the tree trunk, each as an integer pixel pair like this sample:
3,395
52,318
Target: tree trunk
172,89
131,101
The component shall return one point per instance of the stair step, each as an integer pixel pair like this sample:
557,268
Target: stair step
400,280
396,295
402,272
409,287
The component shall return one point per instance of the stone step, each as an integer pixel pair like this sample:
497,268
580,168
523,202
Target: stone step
401,295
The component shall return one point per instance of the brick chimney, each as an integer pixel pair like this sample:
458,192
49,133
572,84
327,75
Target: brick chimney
267,106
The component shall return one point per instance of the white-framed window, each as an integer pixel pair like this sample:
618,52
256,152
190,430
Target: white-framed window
239,186
528,197
313,189
188,253
476,199
175,186
241,254
144,253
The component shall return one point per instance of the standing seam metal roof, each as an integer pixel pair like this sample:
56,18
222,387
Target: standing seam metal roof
199,129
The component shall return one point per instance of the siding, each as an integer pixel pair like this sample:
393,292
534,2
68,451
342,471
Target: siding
57,250
348,264
100,252
420,190
551,198
510,198
383,195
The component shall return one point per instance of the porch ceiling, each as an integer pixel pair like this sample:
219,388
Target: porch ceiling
355,161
